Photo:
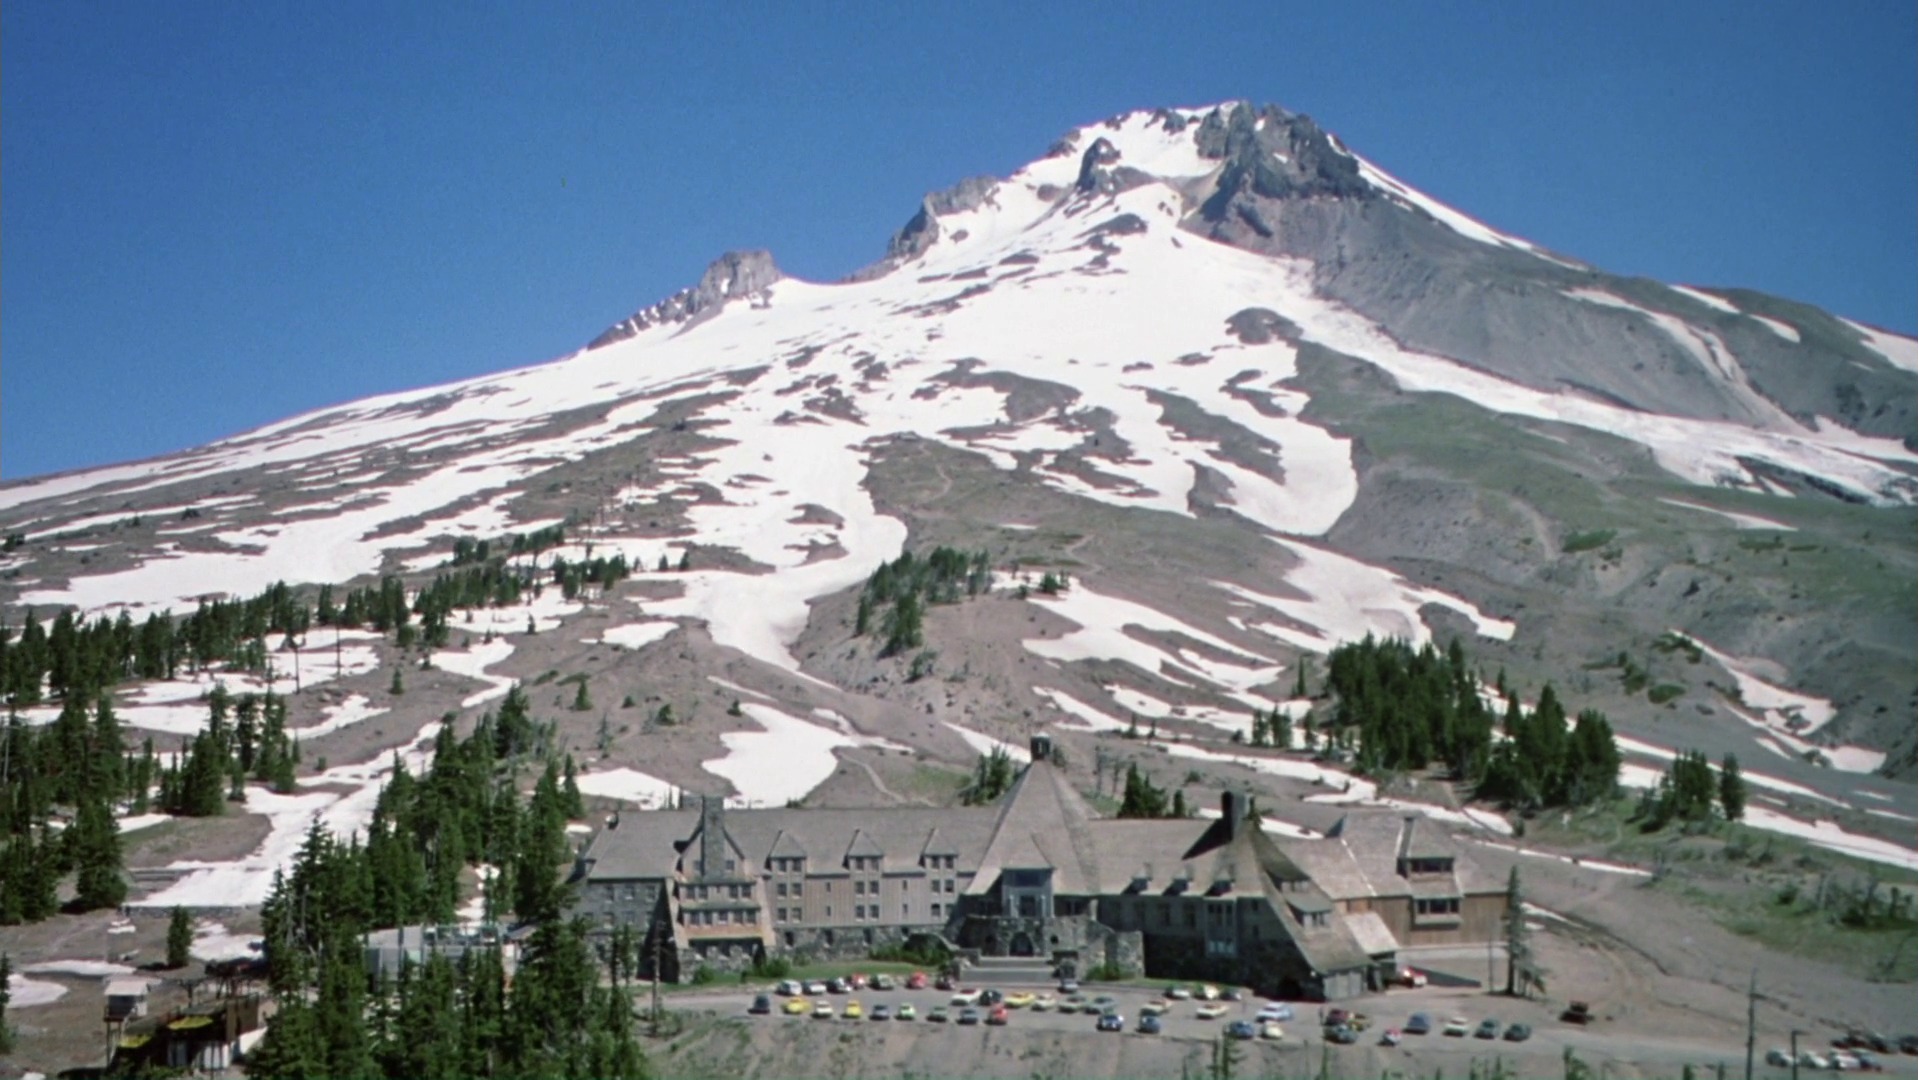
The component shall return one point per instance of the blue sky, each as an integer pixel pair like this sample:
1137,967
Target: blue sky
220,214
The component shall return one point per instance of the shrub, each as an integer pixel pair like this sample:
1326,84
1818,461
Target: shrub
1590,540
1665,692
704,974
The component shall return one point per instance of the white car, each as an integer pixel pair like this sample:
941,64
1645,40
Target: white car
789,988
966,997
1178,993
1274,1012
1208,992
1844,1062
815,988
1211,1011
1777,1055
1812,1059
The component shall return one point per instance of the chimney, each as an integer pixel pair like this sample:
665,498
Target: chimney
1041,748
712,836
1232,812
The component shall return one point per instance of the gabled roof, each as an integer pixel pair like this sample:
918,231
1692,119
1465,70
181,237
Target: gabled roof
937,843
1042,823
787,846
863,846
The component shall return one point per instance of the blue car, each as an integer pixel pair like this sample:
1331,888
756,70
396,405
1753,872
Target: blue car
1149,1025
1240,1029
1419,1024
1111,1021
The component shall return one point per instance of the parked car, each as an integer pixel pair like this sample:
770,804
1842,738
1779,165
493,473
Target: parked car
1178,993
1812,1059
1233,993
1844,1061
797,1006
856,981
1908,1044
822,1010
992,997
1103,1001
839,986
1154,1008
1275,1011
1241,1029
854,1010
1068,986
1487,1029
1337,1017
1518,1033
762,1005
1074,1004
1578,1012
1409,978
999,1016
1457,1026
906,1012
882,981
1389,1037
1271,1032
968,1016
1111,1022
1020,999
938,1015
1779,1056
1208,992
916,981
965,997
882,1011
1341,1034
1419,1024
789,988
946,982
1149,1024
815,988
1044,1002
1211,1011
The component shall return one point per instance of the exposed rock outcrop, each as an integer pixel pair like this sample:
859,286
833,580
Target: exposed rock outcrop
732,276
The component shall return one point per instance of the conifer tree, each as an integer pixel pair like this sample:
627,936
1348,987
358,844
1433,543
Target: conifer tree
1731,788
179,939
94,843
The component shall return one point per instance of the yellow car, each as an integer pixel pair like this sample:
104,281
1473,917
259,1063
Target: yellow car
1211,1012
1154,1008
854,1010
797,1006
1020,1000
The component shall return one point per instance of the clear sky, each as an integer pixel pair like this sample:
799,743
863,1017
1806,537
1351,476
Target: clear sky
219,214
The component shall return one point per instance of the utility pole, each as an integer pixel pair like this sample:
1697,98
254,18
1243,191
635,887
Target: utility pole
1751,1022
1794,1052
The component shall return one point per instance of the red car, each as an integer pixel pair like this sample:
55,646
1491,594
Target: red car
917,981
946,982
998,1015
857,980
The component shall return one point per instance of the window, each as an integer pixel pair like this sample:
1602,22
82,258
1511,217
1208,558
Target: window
782,915
731,866
948,885
859,911
1440,905
798,888
780,889
1191,917
905,911
935,910
859,888
829,915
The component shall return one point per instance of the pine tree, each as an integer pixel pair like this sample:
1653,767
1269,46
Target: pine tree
95,844
179,939
398,686
1731,788
582,702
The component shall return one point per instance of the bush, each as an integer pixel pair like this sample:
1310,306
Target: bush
704,974
772,967
1590,540
1665,692
1106,972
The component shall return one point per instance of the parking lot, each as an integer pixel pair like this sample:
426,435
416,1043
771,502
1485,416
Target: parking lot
1181,1025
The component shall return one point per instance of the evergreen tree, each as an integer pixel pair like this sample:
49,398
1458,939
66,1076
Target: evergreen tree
179,939
582,702
1731,788
94,841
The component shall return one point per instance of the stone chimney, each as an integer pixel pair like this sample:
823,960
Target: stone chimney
712,835
1232,812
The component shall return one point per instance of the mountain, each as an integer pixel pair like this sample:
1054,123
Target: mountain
1253,395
